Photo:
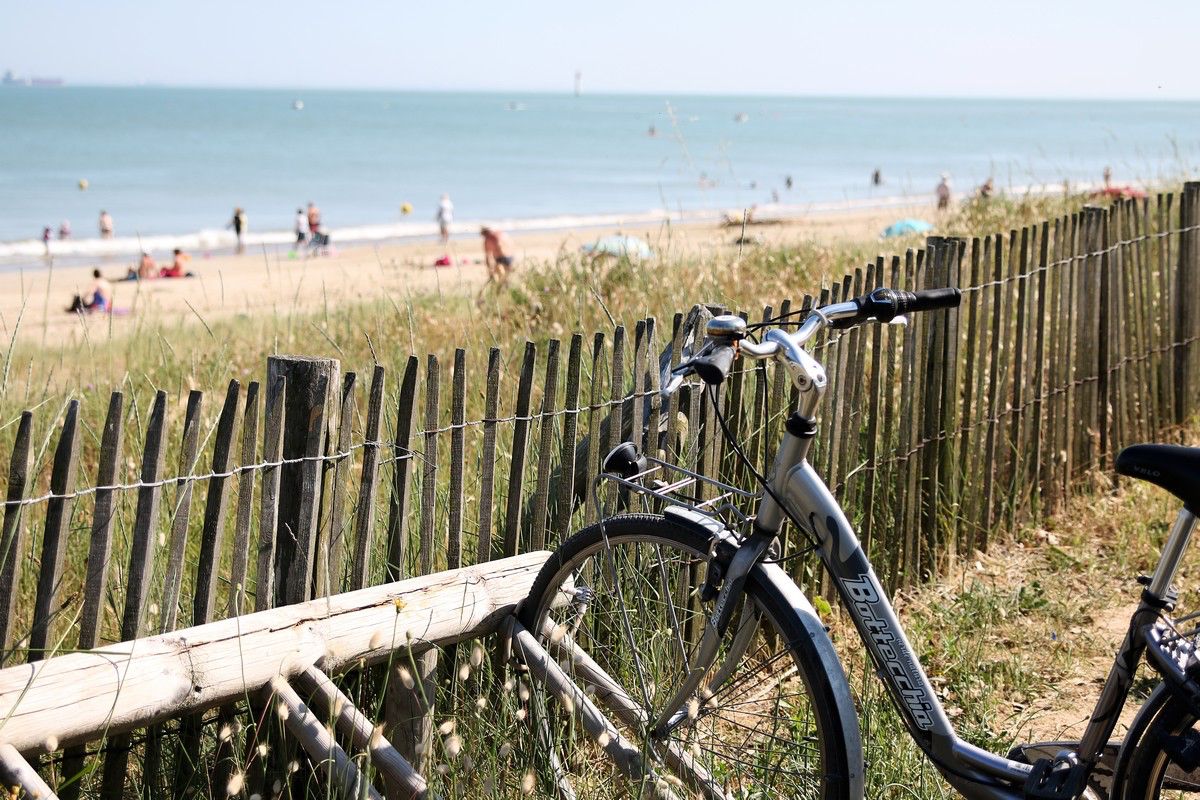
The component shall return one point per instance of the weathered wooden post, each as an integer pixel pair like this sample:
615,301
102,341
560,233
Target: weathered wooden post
12,534
308,410
1187,283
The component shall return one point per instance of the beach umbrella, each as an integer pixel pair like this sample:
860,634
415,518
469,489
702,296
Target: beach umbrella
619,245
906,226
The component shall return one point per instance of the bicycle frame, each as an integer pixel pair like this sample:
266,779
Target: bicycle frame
976,773
981,774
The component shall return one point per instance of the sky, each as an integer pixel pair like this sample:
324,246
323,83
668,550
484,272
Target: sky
936,48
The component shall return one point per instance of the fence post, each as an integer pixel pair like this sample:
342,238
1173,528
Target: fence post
141,567
58,524
99,551
182,513
268,519
402,472
1186,286
306,410
364,511
245,505
204,596
487,458
541,494
331,553
12,535
520,441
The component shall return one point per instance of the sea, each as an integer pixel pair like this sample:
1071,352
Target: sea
171,164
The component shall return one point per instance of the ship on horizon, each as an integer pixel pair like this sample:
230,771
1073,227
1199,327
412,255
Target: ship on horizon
12,79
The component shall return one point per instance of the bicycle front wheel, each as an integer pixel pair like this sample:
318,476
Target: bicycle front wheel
619,608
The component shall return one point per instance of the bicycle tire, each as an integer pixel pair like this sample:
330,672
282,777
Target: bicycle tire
1145,771
820,711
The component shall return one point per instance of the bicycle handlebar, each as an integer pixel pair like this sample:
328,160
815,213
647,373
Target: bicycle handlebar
884,305
715,360
714,365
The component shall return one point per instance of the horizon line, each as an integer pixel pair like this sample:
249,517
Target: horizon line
67,84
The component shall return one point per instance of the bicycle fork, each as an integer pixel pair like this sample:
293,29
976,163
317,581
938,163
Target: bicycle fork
749,554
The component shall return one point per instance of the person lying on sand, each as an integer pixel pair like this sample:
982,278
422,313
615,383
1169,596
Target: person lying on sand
178,266
497,253
98,297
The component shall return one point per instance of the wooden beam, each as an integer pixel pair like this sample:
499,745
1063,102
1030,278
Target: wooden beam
81,696
404,781
318,741
15,773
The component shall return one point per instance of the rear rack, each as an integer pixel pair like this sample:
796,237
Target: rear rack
1173,653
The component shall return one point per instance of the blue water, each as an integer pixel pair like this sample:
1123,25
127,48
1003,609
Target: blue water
166,161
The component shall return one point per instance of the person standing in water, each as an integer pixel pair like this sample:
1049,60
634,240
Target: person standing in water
64,230
238,223
445,215
106,225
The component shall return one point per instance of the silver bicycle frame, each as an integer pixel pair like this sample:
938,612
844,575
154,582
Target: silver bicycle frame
976,773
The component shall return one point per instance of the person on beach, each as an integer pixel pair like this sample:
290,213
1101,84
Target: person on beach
64,230
144,271
97,298
943,193
445,215
314,220
147,268
178,268
106,225
46,238
301,227
877,177
987,189
238,223
497,254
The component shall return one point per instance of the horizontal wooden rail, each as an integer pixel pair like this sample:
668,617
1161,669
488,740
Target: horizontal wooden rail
78,697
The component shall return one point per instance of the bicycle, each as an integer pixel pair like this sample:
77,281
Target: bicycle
679,649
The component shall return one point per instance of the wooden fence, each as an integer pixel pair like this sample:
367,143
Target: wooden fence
1075,337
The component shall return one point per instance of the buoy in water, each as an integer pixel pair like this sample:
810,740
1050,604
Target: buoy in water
83,184
406,208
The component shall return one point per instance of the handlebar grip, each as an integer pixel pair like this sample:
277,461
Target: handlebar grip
887,304
928,299
713,367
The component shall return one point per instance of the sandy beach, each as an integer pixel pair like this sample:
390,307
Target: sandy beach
271,280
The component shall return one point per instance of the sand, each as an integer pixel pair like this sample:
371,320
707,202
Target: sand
272,281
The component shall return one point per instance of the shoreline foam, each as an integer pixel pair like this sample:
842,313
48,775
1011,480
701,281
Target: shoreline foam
31,253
